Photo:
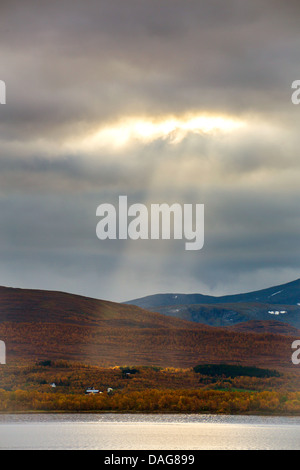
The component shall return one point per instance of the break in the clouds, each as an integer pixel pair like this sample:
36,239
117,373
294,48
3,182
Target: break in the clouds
163,101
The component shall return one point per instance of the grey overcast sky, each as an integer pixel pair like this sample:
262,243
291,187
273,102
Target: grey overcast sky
162,101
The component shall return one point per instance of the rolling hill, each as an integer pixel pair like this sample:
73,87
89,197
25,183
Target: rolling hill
46,325
274,327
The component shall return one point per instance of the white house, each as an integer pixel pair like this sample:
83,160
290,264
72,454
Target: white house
91,390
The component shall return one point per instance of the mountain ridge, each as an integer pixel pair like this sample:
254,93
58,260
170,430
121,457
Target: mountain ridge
281,302
258,295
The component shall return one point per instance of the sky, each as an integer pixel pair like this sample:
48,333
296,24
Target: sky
164,101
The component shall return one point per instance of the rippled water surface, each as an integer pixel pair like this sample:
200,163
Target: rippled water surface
143,432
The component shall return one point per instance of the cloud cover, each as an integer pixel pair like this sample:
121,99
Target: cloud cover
77,70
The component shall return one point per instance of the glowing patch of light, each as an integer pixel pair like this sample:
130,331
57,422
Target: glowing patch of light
147,130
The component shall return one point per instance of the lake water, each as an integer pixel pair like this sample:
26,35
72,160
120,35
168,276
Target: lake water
147,432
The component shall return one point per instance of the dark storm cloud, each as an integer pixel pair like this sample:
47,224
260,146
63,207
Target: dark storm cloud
83,62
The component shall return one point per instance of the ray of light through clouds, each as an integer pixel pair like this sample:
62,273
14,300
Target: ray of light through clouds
161,101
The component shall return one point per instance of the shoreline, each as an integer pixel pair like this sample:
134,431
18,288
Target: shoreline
68,412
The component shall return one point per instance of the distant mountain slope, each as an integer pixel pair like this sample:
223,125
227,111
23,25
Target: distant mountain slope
233,313
44,325
288,294
280,303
